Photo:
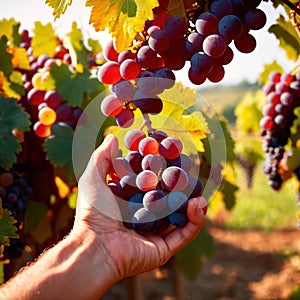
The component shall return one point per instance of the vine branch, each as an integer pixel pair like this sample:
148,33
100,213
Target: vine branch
292,6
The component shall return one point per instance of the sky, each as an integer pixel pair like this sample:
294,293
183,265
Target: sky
244,67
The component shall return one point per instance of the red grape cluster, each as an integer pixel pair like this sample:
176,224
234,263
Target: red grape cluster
15,194
283,96
46,105
208,47
152,182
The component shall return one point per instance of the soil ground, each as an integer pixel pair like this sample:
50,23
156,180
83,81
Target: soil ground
246,265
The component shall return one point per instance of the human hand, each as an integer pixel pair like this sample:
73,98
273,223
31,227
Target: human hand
124,251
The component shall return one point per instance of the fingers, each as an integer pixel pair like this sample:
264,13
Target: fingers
104,154
179,237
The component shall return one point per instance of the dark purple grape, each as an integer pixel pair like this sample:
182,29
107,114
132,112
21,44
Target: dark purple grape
155,200
201,63
143,220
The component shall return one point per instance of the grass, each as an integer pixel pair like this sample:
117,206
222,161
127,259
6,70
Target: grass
263,208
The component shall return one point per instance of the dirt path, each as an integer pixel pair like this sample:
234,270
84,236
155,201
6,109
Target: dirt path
246,265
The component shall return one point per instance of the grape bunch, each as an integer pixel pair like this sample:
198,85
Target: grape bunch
170,41
283,96
152,182
15,194
46,106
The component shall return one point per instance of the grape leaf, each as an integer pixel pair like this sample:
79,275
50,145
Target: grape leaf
20,58
12,116
59,6
189,260
287,36
73,86
10,29
249,112
268,68
123,19
7,226
228,190
44,40
59,148
5,58
74,42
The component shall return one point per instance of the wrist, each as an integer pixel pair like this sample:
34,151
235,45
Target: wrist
96,271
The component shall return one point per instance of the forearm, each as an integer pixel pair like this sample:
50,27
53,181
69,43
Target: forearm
70,270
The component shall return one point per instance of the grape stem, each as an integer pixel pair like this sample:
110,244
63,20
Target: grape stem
294,20
147,123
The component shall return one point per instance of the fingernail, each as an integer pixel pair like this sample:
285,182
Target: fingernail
203,204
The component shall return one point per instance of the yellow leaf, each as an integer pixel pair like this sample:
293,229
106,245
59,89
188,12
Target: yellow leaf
123,19
59,6
44,40
5,87
7,28
63,188
20,58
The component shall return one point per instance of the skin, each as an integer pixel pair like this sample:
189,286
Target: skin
99,251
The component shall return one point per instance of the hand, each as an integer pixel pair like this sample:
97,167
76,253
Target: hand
97,215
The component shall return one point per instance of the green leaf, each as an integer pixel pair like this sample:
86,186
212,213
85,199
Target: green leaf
228,191
73,86
7,226
10,29
12,116
35,213
274,66
123,19
59,6
44,40
95,46
59,148
287,36
190,259
6,65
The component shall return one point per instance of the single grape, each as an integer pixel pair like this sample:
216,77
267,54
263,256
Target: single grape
178,219
194,188
109,51
159,135
216,74
174,57
170,148
146,180
230,27
134,158
125,54
132,139
53,99
221,8
63,112
111,105
206,24
127,186
147,104
177,200
143,220
245,43
123,90
159,41
182,161
35,97
155,200
255,19
148,145
125,118
154,163
135,203
174,179
41,130
129,69
214,45
47,116
201,63
196,77
175,27
109,73
6,179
